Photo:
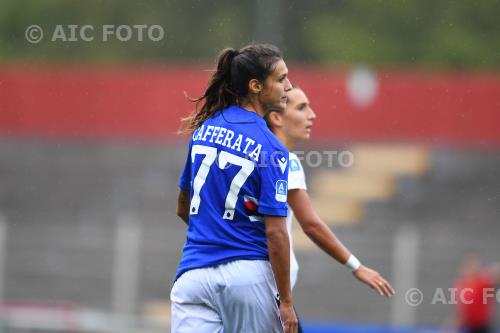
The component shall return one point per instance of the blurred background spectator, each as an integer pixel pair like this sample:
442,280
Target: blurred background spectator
476,288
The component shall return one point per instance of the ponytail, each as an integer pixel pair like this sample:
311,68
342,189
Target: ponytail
217,96
229,83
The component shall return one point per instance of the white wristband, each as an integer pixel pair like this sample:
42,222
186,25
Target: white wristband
353,263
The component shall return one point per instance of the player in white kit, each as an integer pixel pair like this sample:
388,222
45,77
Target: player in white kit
291,126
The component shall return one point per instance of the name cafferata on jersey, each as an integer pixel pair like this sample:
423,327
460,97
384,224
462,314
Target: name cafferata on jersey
226,137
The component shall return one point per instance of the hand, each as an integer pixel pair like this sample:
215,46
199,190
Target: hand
374,280
288,317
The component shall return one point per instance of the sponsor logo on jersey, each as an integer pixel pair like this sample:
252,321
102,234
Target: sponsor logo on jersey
282,161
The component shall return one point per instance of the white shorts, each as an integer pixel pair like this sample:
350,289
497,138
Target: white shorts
236,297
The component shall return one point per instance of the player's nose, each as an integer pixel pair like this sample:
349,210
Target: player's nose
288,85
312,114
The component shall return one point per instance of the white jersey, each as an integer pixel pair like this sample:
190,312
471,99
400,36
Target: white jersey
296,180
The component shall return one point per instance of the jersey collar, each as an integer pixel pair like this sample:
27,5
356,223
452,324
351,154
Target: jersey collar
237,115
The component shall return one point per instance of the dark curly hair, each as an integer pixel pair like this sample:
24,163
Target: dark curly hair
229,83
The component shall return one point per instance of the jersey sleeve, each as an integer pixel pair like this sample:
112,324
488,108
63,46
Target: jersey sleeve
274,184
296,176
185,179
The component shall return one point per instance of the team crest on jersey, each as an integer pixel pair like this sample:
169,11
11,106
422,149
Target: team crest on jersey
281,190
251,205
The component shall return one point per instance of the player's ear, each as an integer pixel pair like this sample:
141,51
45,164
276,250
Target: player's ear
255,86
276,119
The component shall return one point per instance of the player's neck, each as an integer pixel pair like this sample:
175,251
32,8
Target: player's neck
253,106
289,144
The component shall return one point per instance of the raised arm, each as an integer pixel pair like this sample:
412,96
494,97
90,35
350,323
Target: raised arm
325,239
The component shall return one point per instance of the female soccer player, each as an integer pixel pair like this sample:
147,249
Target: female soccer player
292,125
234,274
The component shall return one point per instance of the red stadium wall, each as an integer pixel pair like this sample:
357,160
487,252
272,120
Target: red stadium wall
147,103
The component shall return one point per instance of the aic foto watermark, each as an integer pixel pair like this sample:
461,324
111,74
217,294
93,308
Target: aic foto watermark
311,159
452,296
89,33
327,158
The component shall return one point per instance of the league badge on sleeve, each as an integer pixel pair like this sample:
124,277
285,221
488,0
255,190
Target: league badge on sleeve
281,190
294,165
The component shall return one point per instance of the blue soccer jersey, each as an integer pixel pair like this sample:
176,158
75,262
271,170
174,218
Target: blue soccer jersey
236,171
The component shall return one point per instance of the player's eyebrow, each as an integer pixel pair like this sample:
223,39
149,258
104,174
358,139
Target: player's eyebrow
301,105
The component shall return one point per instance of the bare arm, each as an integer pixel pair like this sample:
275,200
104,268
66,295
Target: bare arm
325,239
183,202
278,245
314,227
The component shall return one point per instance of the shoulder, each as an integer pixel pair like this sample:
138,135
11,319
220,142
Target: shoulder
276,154
295,164
271,141
296,176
